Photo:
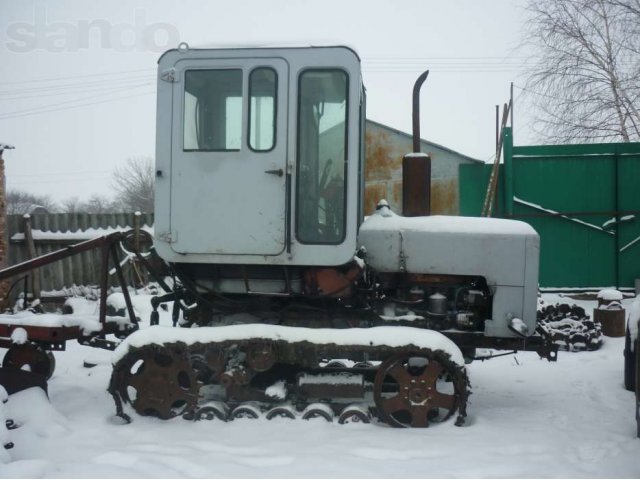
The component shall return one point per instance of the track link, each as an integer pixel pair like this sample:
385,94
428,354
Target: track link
403,386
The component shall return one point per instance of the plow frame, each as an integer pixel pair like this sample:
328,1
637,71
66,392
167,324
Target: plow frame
55,337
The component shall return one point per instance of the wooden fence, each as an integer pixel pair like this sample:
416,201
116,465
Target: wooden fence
51,232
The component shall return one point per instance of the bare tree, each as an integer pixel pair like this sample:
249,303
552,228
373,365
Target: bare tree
20,202
134,183
585,83
98,204
72,205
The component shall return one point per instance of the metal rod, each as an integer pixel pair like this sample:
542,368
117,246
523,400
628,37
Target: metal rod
557,214
511,105
497,128
123,284
416,110
617,220
58,255
104,284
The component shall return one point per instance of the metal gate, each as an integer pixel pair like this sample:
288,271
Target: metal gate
584,201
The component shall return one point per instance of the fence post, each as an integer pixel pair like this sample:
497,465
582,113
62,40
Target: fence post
31,251
508,171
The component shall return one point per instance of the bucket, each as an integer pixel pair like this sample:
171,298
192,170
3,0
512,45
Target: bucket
612,321
610,313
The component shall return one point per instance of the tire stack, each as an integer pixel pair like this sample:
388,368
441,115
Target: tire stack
570,327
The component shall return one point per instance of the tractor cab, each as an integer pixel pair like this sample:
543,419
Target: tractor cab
259,155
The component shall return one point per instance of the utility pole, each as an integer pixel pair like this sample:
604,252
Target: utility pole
4,285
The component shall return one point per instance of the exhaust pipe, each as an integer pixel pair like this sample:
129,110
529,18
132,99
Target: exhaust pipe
416,166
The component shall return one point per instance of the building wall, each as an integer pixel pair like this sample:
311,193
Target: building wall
385,148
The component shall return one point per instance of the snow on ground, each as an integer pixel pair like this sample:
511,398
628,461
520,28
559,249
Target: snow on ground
527,418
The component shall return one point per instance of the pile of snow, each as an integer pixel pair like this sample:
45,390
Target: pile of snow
610,295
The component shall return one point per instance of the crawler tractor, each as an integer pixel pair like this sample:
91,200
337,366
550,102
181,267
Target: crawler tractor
294,303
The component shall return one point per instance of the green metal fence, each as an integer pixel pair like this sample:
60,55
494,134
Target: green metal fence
584,201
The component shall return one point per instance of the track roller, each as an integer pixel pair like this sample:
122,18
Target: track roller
354,414
212,411
247,410
318,410
336,364
281,411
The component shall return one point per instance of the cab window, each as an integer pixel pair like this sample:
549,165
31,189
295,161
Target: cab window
262,109
321,156
212,110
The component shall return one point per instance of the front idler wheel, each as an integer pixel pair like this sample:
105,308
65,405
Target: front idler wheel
416,390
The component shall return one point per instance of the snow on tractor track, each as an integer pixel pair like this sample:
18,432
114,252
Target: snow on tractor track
375,336
527,418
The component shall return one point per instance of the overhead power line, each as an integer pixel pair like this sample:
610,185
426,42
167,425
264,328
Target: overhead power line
56,107
75,77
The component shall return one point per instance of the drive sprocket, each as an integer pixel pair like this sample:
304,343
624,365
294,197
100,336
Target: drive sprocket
156,380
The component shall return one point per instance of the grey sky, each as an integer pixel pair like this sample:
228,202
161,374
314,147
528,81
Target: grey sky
75,106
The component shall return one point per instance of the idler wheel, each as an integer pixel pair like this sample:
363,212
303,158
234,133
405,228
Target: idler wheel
412,391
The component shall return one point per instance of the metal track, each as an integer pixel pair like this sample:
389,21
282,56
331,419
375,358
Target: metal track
254,377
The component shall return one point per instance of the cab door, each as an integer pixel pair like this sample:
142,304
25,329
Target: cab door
229,156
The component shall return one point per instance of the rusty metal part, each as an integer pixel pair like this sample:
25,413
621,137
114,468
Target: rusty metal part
53,338
416,170
408,390
331,282
31,357
235,376
162,379
159,381
59,255
208,362
416,185
260,356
